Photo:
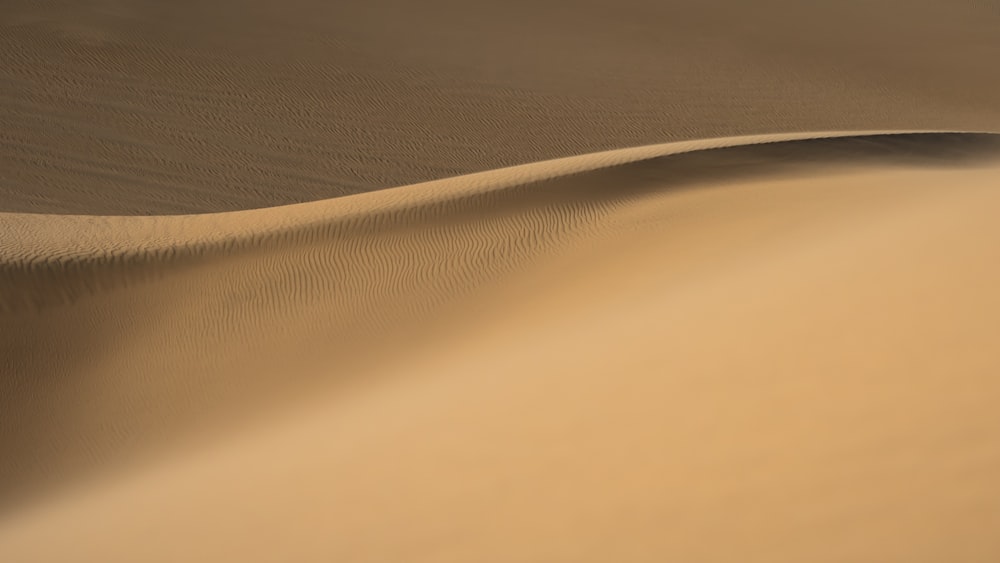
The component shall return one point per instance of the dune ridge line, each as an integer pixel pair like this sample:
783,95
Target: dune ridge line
28,234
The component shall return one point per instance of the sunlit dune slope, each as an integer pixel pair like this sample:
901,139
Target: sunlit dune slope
767,352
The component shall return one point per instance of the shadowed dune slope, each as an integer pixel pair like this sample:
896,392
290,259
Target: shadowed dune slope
618,353
145,107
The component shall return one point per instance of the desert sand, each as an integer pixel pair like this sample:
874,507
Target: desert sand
553,281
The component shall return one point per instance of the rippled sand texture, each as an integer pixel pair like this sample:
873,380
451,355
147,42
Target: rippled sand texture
147,106
442,281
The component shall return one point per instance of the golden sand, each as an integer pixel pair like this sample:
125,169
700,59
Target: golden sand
587,292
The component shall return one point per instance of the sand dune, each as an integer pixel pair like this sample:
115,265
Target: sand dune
499,281
783,341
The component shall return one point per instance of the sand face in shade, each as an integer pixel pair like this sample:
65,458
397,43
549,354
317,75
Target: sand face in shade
516,281
148,107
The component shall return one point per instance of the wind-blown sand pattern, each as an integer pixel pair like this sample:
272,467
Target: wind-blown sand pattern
146,107
777,346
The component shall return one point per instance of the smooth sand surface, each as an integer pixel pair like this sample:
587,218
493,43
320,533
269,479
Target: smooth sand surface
589,292
789,346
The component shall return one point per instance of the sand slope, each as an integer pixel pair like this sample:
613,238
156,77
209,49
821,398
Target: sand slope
149,107
769,352
506,281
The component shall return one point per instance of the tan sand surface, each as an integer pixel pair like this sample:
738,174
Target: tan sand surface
149,106
520,281
790,356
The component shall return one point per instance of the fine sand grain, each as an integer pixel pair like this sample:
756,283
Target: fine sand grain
519,281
